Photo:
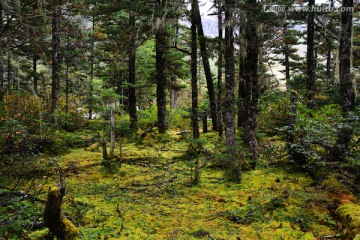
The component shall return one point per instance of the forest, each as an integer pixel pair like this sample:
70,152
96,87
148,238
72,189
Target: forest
179,119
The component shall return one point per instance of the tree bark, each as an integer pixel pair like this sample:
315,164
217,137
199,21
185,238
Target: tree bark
2,91
132,75
242,85
207,70
229,76
54,217
92,63
234,170
35,77
347,85
286,56
204,122
160,38
194,87
252,83
55,78
10,73
112,132
310,56
220,66
67,86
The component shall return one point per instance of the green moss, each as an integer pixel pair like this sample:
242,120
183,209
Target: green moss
39,235
149,197
349,215
334,186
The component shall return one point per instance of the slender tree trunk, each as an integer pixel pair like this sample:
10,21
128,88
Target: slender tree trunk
286,56
67,86
10,73
1,81
112,132
242,86
204,122
347,85
229,76
173,93
55,79
234,169
35,77
2,90
194,87
132,75
92,63
207,70
328,68
160,38
329,77
310,56
219,67
251,80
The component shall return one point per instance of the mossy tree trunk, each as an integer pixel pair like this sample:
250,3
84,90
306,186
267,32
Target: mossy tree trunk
54,218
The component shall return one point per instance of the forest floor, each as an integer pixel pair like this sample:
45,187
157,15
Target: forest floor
148,195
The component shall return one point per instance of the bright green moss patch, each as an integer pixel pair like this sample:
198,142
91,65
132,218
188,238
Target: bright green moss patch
39,235
349,214
147,195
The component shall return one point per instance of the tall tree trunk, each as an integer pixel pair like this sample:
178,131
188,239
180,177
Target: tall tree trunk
220,66
234,170
10,73
328,68
160,38
204,122
173,92
207,70
132,75
35,77
242,85
310,56
112,132
194,87
55,78
92,64
251,81
67,86
347,85
329,77
286,56
1,81
2,90
229,76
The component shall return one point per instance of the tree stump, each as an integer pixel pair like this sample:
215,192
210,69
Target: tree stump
54,218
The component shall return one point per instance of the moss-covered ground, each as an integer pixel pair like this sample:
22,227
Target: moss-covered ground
147,195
